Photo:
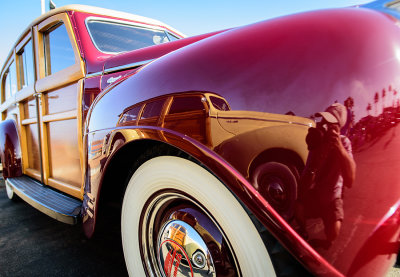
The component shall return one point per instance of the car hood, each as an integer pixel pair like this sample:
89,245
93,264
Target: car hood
142,56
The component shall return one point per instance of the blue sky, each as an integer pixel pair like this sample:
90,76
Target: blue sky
189,17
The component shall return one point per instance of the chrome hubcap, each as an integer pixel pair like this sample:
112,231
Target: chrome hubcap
179,238
182,252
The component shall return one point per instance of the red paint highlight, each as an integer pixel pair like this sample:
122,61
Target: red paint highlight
174,256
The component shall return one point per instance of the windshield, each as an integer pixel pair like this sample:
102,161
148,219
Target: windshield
115,37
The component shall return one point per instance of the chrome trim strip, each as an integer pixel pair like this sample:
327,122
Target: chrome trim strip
95,74
126,66
234,120
118,68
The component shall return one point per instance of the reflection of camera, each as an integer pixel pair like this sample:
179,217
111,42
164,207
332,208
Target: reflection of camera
316,136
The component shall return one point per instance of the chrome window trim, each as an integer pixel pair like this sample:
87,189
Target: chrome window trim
118,68
95,74
126,66
120,22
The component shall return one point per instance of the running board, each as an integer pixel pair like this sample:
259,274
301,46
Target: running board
55,204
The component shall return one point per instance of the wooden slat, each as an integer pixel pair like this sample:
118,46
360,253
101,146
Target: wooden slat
80,131
33,173
60,116
24,146
67,188
29,121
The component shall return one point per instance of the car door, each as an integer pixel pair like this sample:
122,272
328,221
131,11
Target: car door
59,88
27,107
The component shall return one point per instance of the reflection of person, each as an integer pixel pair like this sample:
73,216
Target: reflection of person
329,167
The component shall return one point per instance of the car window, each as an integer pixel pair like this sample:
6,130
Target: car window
219,103
26,65
152,109
58,49
186,104
113,37
131,115
10,81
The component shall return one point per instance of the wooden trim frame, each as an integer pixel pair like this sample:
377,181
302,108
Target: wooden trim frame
23,94
20,75
62,186
48,83
23,140
44,140
60,116
5,103
65,76
80,126
32,173
28,120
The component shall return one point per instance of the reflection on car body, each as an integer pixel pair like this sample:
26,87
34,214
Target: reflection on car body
208,118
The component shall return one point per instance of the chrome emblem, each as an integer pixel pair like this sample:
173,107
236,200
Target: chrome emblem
113,79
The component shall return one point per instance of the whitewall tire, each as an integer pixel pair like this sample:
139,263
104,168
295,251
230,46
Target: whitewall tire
169,195
10,192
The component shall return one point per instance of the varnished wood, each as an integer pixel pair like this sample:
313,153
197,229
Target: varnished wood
24,145
28,121
32,138
67,75
5,67
64,156
80,130
59,119
65,187
19,60
32,173
60,116
29,108
62,100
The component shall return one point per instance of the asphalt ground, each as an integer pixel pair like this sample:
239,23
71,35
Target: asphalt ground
33,244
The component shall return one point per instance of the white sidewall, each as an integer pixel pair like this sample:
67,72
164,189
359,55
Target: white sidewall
168,172
10,192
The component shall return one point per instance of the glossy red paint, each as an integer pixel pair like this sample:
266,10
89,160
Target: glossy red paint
10,149
153,52
93,57
115,77
300,65
92,88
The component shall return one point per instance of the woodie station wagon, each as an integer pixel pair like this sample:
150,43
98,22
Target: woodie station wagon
268,149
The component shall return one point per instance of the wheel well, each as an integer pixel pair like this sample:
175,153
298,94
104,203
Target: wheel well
121,167
284,156
131,155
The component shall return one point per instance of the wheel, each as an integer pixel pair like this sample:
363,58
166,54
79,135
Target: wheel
179,220
277,184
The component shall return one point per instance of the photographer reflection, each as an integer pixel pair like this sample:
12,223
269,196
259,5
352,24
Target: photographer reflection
329,168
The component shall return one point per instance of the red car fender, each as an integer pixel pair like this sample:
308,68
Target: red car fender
10,150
